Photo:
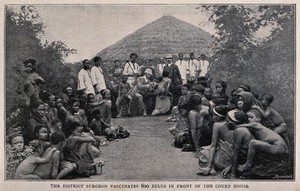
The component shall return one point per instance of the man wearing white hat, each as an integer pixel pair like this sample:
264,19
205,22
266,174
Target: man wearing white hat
140,89
174,75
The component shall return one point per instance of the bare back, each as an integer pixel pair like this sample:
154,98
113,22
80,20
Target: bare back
27,166
264,134
223,132
44,170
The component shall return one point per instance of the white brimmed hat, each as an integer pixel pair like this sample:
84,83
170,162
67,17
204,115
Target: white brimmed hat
231,115
148,71
169,56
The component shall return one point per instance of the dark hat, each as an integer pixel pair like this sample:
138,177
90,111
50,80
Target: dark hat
30,60
237,116
220,111
245,87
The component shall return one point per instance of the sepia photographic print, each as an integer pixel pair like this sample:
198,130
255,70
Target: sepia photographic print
140,96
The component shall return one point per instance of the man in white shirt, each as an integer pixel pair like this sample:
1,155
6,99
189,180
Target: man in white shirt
97,76
85,84
193,68
204,66
182,66
131,69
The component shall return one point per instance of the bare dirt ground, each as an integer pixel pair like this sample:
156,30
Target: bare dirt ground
147,154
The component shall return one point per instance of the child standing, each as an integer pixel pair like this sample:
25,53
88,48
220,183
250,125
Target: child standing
124,88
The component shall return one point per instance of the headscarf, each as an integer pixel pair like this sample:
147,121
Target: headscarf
249,101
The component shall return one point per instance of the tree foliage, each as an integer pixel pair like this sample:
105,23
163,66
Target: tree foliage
267,65
24,31
240,58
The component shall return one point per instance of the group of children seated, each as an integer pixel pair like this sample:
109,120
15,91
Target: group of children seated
241,135
62,137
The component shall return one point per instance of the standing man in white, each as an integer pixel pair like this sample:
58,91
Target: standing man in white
131,69
183,67
85,84
204,66
97,76
193,69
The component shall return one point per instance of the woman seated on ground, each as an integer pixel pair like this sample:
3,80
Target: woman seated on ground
105,107
79,150
100,127
183,122
37,118
163,99
183,98
75,113
199,118
41,133
221,138
66,96
246,100
221,91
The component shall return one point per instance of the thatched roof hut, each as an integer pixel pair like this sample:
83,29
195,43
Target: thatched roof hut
164,35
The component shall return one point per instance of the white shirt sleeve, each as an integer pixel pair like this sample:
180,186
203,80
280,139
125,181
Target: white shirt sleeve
188,67
94,75
198,65
125,71
81,81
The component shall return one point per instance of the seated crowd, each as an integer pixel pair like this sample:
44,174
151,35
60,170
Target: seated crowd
241,135
63,134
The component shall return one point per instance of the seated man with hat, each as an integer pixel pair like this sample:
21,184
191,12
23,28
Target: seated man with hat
142,86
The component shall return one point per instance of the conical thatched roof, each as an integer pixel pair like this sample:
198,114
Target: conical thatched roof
164,35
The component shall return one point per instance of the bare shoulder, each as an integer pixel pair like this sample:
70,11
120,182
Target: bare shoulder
56,154
218,125
193,113
204,110
81,111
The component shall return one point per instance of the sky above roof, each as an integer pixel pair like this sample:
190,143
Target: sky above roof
91,28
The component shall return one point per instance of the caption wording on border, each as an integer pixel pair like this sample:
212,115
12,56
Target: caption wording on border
149,186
